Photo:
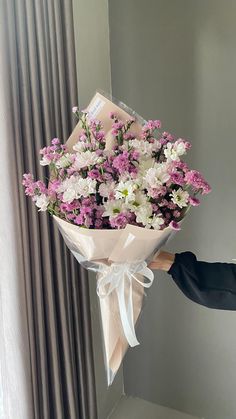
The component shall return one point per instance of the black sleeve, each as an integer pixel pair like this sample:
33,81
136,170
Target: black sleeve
210,284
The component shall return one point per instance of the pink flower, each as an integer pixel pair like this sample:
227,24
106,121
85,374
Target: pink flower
99,135
181,165
112,115
71,216
193,201
174,225
176,214
152,125
120,221
134,155
186,144
122,162
95,174
41,187
79,219
75,109
167,136
55,141
197,181
177,178
157,192
53,185
28,179
98,223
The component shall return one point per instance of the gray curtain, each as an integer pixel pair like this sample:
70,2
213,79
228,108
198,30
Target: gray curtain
41,81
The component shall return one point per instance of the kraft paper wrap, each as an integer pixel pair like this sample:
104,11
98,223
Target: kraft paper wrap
130,245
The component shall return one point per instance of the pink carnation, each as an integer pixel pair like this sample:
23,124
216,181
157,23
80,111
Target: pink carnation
193,201
197,181
121,162
174,225
120,221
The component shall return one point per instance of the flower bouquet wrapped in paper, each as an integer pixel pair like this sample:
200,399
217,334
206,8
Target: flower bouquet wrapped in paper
118,190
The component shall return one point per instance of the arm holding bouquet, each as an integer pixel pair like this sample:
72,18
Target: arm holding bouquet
210,284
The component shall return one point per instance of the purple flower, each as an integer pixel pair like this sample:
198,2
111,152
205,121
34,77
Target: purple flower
181,165
134,155
120,221
174,225
95,174
176,214
177,178
167,136
55,141
193,201
122,162
112,115
157,192
79,219
53,185
197,181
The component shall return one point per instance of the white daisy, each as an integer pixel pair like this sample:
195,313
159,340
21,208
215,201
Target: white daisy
180,197
113,208
126,190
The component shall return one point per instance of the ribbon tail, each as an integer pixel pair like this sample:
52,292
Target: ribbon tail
126,315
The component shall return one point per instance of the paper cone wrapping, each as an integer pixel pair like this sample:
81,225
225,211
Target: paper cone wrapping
101,249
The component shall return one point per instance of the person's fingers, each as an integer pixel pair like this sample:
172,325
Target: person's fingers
163,261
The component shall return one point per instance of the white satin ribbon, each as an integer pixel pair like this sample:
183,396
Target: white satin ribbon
113,279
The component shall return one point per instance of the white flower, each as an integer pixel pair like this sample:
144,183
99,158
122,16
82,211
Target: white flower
140,200
45,161
146,164
69,195
143,214
113,208
171,153
180,147
144,147
42,202
174,151
157,175
85,159
64,161
157,222
79,146
86,187
105,189
126,190
180,197
75,187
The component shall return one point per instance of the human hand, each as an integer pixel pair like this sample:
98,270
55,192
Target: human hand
163,261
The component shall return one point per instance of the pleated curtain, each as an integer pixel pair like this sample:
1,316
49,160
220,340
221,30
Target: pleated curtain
40,78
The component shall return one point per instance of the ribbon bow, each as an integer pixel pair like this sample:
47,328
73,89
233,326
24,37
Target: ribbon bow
113,279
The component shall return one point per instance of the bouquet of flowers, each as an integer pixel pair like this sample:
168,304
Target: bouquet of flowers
117,191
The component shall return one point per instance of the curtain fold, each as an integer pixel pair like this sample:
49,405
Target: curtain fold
40,73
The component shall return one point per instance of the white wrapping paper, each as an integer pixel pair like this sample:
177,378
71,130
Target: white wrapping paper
120,259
